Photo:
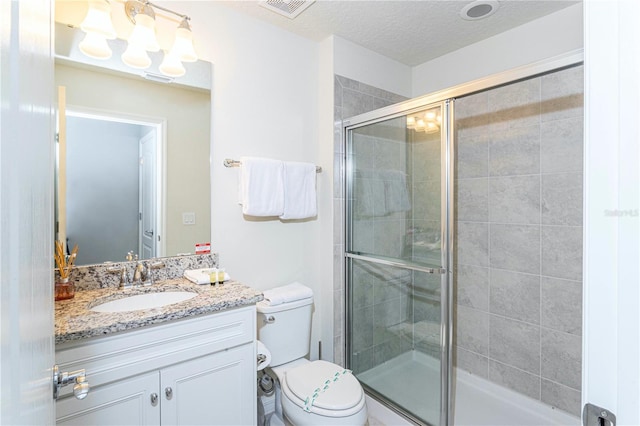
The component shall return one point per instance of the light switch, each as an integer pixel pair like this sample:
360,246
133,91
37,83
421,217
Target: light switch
188,218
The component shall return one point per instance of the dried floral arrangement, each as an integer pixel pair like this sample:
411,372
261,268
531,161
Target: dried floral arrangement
64,262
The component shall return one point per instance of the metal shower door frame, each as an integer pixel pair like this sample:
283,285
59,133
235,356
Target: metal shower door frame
446,97
446,237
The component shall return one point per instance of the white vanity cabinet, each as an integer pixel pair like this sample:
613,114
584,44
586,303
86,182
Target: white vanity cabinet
190,371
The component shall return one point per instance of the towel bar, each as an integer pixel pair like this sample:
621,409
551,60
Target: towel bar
228,162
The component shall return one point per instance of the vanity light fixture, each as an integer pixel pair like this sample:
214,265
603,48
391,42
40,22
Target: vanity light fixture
99,28
97,24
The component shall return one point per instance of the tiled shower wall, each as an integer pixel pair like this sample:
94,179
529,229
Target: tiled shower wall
350,98
519,236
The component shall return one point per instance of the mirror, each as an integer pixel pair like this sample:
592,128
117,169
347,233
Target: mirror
115,200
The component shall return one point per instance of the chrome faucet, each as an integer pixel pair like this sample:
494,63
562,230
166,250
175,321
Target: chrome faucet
125,282
142,273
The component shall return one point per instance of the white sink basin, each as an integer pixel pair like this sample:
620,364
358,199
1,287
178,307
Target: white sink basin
144,301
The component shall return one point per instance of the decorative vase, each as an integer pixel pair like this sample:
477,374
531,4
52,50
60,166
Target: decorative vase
64,289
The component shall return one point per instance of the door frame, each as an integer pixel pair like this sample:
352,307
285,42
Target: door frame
611,327
160,126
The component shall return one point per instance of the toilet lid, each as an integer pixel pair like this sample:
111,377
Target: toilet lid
336,388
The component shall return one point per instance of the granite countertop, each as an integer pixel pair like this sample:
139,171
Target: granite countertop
74,320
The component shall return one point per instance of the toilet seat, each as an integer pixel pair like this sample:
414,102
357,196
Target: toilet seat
339,393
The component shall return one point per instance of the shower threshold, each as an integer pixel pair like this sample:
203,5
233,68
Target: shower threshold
412,381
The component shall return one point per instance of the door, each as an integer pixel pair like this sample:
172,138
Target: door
147,194
26,215
397,255
60,177
134,401
217,389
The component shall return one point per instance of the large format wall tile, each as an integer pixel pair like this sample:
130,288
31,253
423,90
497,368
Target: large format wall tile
562,94
562,199
514,378
561,358
472,200
472,330
514,342
472,286
472,115
515,295
515,105
472,362
562,252
473,243
515,247
561,146
563,397
472,156
527,138
514,199
561,305
515,151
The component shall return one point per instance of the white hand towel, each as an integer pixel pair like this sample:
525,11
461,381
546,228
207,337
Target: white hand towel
287,293
261,186
201,276
299,191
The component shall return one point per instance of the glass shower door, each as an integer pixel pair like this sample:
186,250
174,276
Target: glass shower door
396,260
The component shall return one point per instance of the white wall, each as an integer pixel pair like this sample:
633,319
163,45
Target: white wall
265,103
549,36
357,63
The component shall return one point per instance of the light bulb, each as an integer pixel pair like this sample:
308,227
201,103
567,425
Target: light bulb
411,122
171,66
136,57
95,46
420,125
144,33
98,20
430,115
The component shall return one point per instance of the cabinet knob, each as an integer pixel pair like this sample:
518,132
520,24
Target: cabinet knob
154,399
168,392
81,388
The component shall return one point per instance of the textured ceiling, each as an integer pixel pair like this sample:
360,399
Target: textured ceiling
411,32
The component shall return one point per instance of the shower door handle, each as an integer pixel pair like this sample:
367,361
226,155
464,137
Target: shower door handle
592,415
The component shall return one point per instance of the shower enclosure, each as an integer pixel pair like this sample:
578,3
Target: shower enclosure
402,200
399,222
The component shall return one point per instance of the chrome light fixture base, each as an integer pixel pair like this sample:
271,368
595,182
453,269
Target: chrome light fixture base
134,7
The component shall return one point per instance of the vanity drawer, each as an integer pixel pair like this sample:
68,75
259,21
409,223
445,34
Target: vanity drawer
114,357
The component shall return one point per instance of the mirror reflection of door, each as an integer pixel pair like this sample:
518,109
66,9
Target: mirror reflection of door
110,200
147,193
60,178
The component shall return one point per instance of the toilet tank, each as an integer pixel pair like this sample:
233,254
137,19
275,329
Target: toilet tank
285,329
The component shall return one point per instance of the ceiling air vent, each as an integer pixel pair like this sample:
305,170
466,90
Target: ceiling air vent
288,8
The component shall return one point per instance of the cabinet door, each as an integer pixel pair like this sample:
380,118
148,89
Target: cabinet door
126,402
217,389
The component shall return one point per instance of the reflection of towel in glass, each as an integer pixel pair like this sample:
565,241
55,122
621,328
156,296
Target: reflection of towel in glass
380,192
369,198
396,195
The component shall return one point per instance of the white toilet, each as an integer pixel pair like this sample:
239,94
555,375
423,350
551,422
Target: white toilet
307,392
